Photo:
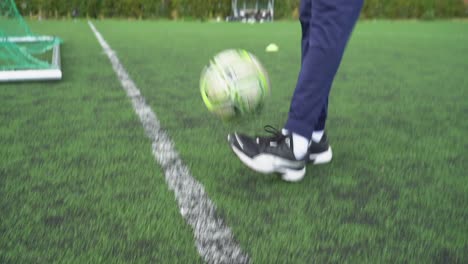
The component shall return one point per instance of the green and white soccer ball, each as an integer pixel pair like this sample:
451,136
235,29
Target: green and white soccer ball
234,83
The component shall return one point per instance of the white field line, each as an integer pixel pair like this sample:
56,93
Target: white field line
214,240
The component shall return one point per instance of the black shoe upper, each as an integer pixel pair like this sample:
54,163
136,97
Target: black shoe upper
244,143
277,144
319,147
275,136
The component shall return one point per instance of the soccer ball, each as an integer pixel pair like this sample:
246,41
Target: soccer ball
234,83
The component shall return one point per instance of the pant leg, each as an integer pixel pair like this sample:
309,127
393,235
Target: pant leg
322,119
305,10
330,27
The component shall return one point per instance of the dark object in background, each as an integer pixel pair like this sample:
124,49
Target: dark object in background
75,13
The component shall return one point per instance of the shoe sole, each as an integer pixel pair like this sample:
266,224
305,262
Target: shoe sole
267,164
321,158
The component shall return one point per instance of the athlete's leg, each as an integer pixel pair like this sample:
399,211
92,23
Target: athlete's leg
330,27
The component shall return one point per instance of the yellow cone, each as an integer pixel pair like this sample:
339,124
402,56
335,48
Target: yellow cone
272,48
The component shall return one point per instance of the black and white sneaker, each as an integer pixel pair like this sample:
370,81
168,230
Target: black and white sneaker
320,152
273,154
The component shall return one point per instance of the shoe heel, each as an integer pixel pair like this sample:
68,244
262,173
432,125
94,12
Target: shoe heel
324,157
290,175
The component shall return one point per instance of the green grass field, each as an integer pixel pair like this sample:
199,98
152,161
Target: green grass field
78,182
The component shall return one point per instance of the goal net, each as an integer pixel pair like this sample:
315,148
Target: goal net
25,56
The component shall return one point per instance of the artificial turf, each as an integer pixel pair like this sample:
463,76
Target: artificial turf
78,181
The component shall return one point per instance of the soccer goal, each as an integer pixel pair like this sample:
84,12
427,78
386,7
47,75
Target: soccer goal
252,10
25,56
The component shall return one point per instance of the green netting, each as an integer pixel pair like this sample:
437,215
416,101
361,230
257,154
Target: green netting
19,47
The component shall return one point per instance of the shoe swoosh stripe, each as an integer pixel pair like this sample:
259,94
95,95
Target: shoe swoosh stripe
239,141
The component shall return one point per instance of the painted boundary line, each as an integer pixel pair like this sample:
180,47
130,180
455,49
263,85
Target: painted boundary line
214,240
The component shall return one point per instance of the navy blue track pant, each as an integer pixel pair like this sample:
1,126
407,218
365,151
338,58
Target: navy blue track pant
326,28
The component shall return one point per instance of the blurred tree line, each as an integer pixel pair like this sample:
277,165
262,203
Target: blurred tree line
205,9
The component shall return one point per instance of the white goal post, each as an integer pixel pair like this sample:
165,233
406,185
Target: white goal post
54,72
259,11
